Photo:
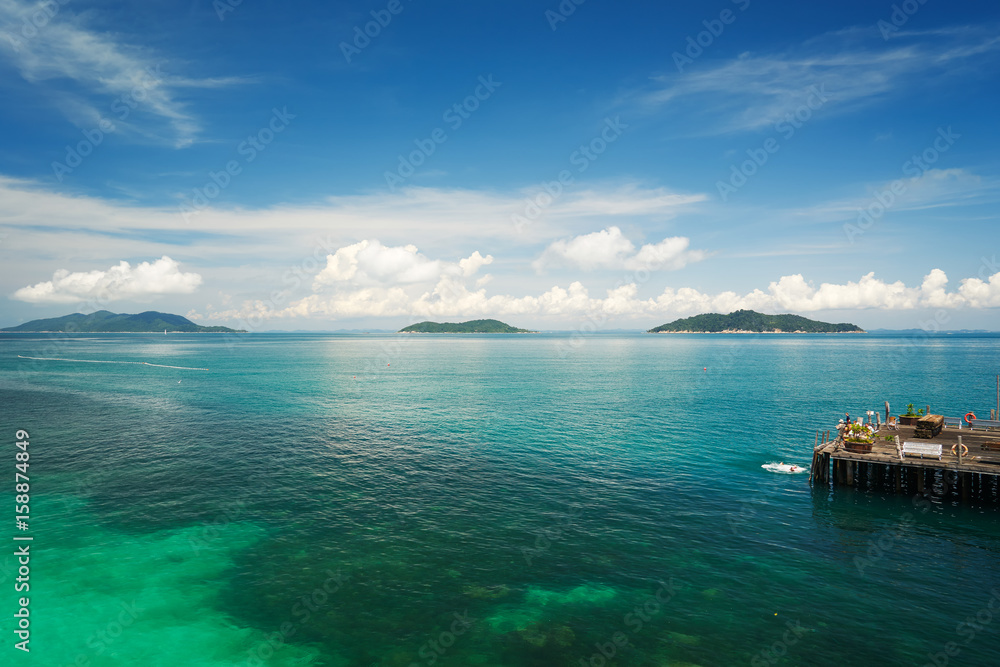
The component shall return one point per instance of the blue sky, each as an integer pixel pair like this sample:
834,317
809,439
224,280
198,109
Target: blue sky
602,165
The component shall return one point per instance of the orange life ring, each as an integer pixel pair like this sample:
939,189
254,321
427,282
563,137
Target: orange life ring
965,450
970,417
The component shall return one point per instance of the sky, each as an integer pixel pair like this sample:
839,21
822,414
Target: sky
577,165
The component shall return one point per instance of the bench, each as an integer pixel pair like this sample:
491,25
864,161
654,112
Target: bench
922,449
953,422
984,423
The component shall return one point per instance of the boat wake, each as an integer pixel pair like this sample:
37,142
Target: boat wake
101,361
786,468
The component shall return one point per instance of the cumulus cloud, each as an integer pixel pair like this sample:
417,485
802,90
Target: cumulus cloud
981,293
123,281
603,249
610,249
451,297
669,254
369,262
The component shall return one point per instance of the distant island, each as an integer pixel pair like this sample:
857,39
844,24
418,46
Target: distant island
104,321
749,321
473,326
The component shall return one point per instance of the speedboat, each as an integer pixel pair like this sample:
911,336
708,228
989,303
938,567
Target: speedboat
787,468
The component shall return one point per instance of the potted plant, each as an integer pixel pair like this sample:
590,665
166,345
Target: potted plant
859,439
911,417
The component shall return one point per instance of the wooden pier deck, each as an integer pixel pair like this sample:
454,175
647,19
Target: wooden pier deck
978,474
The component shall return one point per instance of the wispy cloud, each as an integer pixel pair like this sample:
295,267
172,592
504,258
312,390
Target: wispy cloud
433,214
854,67
934,188
92,75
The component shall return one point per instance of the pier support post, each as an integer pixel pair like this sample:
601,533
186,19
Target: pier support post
959,449
898,474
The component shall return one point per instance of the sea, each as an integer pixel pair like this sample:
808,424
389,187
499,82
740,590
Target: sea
451,500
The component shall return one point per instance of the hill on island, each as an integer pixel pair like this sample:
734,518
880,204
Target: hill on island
473,326
749,321
104,321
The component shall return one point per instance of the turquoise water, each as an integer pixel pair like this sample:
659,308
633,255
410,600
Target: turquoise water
485,500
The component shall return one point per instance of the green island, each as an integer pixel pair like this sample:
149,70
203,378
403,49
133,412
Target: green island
472,326
104,321
749,321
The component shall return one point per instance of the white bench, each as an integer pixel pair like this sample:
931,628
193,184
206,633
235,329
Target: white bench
984,423
922,449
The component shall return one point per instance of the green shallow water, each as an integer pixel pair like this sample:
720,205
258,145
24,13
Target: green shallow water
486,500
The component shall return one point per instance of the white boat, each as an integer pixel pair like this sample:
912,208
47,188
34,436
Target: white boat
787,468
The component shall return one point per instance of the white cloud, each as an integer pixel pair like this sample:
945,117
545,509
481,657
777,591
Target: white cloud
631,200
371,263
450,297
610,249
980,293
391,217
51,46
669,254
162,276
603,249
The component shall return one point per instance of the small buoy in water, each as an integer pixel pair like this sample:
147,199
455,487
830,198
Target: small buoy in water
706,368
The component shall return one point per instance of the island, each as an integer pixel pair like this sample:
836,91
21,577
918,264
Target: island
473,326
104,321
749,321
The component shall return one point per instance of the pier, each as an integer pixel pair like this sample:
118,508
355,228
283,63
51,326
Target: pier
972,476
